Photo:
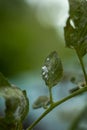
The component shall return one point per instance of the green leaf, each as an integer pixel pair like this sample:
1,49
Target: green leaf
17,105
52,70
11,126
41,101
76,26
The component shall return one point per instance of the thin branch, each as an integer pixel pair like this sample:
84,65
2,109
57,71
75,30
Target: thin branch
55,105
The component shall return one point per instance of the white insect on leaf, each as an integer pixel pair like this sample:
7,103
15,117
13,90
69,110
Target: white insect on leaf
52,70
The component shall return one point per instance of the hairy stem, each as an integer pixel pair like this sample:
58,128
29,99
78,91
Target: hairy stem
55,105
82,64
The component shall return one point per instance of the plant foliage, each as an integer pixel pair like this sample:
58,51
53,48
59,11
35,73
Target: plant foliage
16,103
76,26
52,70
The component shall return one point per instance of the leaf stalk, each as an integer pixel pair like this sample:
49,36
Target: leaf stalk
82,64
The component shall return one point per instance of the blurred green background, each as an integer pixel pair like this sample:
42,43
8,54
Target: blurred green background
24,42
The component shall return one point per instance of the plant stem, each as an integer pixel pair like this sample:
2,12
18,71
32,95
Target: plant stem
82,64
51,97
55,105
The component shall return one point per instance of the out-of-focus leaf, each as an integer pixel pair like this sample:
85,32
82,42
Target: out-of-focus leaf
80,123
41,101
12,126
4,81
52,70
16,102
76,26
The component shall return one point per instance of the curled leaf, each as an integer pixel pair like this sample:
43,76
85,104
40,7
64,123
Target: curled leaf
52,70
16,103
41,101
12,126
75,30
